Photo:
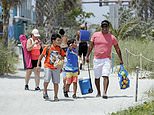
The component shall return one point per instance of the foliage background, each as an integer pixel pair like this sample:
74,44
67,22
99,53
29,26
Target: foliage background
8,58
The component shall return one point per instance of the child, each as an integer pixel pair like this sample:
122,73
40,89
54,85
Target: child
64,46
52,55
71,68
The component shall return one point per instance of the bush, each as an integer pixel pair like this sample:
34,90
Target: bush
8,58
147,108
144,109
137,47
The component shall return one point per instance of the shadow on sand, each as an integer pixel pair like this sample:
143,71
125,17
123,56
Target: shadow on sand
40,90
16,77
50,100
120,96
86,97
22,69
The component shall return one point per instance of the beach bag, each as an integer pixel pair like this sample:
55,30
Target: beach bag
124,81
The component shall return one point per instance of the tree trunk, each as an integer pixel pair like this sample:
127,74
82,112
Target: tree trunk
39,14
5,26
151,8
145,8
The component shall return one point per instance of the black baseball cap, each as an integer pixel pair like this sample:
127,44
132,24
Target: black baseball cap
105,22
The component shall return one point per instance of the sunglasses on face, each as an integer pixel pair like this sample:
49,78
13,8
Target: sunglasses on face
104,26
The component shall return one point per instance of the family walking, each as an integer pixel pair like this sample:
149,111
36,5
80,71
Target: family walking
63,57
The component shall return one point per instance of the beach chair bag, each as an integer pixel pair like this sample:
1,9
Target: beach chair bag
124,81
26,53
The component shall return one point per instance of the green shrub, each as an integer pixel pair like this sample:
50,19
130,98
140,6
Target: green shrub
137,47
147,108
8,58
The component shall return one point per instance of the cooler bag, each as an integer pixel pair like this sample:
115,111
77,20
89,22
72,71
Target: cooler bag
85,84
124,81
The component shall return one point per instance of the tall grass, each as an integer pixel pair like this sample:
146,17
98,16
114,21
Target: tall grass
136,47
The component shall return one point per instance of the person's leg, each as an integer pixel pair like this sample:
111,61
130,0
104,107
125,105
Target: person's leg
68,83
74,80
106,84
80,62
67,87
56,86
105,74
45,94
80,55
98,73
56,81
37,74
97,83
64,82
37,78
66,90
74,89
85,50
63,74
47,77
27,77
45,87
84,60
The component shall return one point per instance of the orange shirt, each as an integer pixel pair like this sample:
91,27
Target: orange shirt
52,50
35,52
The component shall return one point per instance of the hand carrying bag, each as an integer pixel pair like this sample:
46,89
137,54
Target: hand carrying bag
124,81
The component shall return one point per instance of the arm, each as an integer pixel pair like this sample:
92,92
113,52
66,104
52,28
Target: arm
78,69
66,39
30,45
118,52
91,45
78,35
86,26
39,60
